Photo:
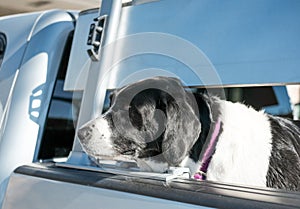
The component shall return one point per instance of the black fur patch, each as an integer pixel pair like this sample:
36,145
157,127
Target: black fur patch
284,168
209,112
162,120
205,120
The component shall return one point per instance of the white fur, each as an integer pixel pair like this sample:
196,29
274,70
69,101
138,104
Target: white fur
189,163
244,147
100,142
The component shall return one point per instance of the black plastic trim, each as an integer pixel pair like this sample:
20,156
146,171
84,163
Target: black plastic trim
186,191
3,44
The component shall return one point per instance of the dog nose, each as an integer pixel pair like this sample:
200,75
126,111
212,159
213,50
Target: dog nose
84,133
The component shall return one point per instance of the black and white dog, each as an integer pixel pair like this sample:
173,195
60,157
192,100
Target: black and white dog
160,124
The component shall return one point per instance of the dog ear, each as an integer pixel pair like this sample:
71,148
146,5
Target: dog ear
182,127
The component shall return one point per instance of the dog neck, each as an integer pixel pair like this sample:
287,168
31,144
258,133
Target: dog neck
209,151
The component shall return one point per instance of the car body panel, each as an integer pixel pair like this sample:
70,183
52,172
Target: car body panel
32,59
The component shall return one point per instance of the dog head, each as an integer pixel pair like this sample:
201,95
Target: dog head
153,120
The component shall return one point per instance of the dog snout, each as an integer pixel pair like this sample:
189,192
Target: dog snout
84,133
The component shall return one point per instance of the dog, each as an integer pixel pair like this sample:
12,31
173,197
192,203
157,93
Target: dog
159,123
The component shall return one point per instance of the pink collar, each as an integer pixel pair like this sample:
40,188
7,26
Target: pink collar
201,174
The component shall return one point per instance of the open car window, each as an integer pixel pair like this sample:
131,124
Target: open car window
275,100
